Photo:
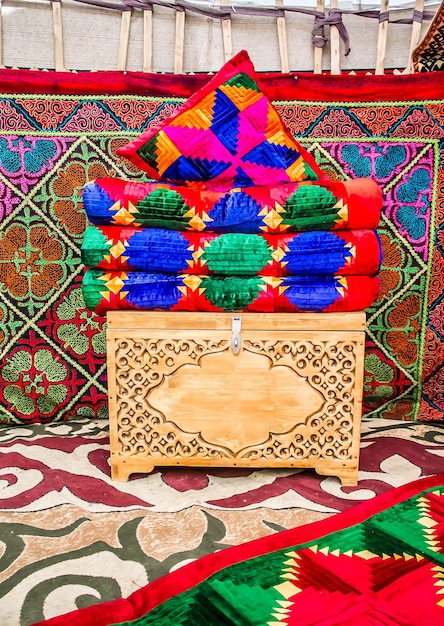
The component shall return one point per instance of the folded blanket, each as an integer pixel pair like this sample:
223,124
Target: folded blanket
173,252
292,207
104,291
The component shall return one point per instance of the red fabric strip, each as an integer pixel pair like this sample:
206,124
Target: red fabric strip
278,86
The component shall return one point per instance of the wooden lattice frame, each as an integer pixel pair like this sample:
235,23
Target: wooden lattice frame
328,30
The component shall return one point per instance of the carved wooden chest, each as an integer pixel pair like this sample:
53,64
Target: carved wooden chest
247,390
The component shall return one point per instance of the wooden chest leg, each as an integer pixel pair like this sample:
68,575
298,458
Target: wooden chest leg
350,478
121,471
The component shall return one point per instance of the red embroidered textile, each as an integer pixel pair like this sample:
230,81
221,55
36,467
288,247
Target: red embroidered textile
60,130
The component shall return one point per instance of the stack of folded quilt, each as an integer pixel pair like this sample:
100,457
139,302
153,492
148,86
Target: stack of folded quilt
239,217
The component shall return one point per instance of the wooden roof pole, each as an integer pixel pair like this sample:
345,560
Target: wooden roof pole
226,33
124,41
179,41
282,39
147,41
416,33
58,35
335,63
382,38
1,37
317,60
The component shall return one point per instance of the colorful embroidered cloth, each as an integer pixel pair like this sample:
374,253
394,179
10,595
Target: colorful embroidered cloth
105,291
379,563
273,208
61,130
172,252
228,134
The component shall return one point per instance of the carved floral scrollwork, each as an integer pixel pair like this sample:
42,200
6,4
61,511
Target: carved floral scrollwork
327,433
330,368
142,365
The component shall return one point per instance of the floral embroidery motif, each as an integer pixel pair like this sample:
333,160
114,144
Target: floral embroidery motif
31,259
33,382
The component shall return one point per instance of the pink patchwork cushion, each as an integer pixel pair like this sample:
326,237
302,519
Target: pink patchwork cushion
228,134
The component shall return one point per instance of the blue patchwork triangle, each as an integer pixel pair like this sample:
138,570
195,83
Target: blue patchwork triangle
225,121
187,168
271,155
242,179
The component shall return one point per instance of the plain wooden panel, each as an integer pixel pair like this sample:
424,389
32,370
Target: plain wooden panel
140,320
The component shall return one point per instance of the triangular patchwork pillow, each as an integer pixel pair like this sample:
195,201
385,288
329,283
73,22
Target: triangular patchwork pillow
228,134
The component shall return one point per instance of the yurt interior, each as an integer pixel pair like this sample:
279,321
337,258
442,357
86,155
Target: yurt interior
221,313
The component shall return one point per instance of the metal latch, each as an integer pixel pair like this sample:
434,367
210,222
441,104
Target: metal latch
236,327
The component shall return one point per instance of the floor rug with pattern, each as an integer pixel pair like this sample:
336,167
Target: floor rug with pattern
379,563
70,537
